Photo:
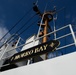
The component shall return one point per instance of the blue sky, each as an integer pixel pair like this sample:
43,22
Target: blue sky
12,10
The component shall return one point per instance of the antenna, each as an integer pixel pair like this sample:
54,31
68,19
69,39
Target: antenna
36,9
46,17
41,22
36,2
54,21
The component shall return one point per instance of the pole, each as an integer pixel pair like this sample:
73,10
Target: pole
45,31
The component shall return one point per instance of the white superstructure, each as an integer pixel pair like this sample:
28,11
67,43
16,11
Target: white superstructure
30,42
63,65
57,65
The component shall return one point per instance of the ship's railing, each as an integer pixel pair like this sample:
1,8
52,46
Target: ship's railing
72,33
9,44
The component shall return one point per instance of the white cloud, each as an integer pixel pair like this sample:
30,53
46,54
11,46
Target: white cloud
3,30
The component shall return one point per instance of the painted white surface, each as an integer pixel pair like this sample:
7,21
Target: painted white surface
63,65
27,46
32,44
4,53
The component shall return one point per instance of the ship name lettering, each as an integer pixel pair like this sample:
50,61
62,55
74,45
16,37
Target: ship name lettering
26,53
17,57
41,48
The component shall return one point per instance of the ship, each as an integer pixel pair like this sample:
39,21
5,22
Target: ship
49,52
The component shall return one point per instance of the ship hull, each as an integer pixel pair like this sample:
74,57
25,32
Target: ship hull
62,65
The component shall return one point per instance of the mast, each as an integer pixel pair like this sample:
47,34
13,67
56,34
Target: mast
47,17
45,31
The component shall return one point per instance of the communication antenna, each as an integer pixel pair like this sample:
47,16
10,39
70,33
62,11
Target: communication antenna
46,17
54,21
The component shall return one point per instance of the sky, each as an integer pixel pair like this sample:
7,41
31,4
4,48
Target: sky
11,11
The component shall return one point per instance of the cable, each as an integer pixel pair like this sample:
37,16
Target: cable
28,27
41,21
7,40
24,30
15,24
36,2
25,24
18,31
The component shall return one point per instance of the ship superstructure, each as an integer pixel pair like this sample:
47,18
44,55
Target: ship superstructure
52,58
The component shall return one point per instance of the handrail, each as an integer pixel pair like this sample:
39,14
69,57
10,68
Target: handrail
41,37
47,35
68,45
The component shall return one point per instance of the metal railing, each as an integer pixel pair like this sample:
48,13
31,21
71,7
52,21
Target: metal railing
58,38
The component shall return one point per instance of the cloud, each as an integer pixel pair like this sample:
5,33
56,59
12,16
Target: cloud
3,30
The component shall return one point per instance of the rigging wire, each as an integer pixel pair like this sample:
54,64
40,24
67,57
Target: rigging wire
41,21
51,3
25,24
36,2
18,31
16,23
28,27
24,30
